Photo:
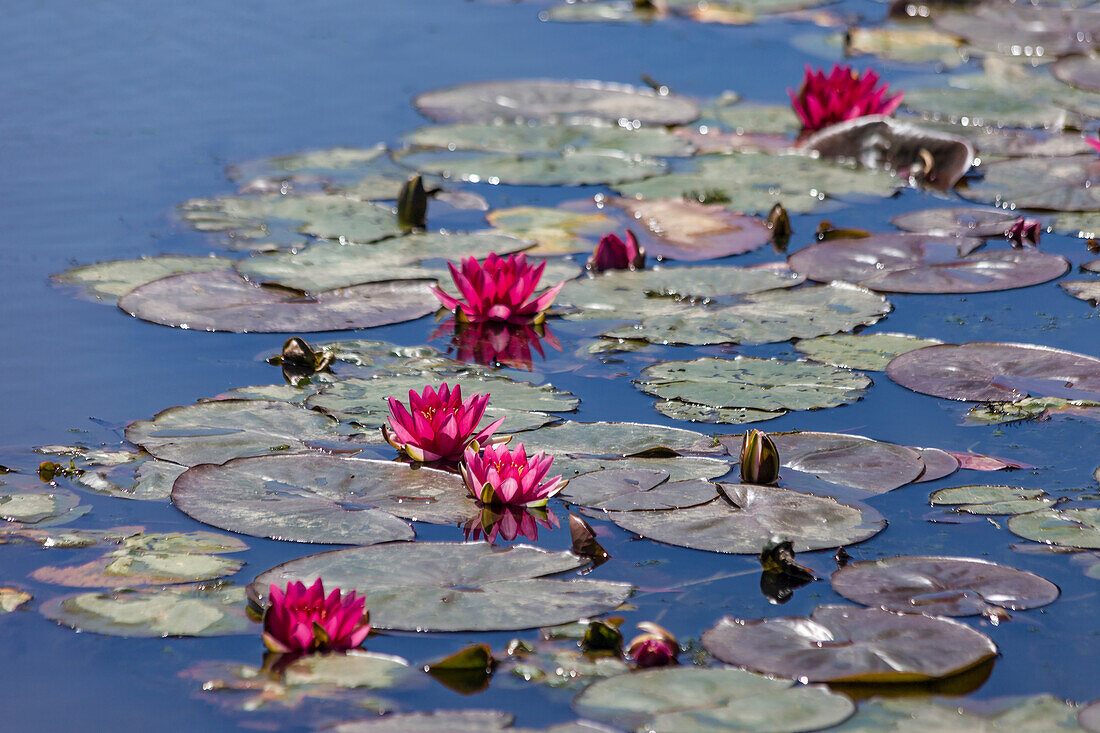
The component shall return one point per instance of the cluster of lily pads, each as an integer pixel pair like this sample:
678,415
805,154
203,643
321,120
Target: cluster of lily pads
301,461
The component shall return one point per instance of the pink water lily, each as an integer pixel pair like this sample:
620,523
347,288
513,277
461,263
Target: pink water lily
1024,232
1094,143
657,647
499,289
439,426
842,95
613,253
302,619
497,477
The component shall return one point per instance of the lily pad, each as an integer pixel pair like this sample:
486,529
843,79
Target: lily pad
957,221
942,586
332,216
768,317
848,644
441,586
754,183
1027,31
1082,72
224,301
554,231
1035,714
1031,408
628,489
519,138
991,500
1057,184
751,517
214,432
869,352
439,721
747,382
937,464
149,480
710,700
12,599
317,497
200,610
1078,528
1083,226
618,439
110,280
43,508
1087,290
680,410
678,468
688,230
748,117
564,169
986,107
983,371
552,101
920,263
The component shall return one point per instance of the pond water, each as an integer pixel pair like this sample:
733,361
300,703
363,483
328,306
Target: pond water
117,114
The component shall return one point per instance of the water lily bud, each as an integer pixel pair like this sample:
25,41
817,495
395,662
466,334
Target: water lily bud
1024,232
655,648
412,204
613,253
779,224
603,636
759,459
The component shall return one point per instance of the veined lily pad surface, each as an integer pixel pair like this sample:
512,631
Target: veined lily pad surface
1078,528
991,500
869,352
849,644
109,280
443,586
942,586
1034,714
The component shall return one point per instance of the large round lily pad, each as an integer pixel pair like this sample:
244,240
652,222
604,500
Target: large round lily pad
549,100
678,468
442,586
848,644
634,489
1058,184
983,371
315,497
942,586
619,439
1078,528
224,301
214,432
748,382
864,351
110,280
564,169
200,610
689,698
750,516
919,263
46,507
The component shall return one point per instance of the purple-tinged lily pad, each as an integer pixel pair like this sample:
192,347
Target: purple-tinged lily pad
1057,184
636,489
848,644
957,221
942,586
920,263
688,230
937,464
983,371
224,301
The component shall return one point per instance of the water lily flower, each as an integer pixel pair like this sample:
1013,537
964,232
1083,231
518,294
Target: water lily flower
613,253
302,619
504,344
439,426
1094,143
655,648
1024,232
759,459
842,95
497,477
500,289
506,522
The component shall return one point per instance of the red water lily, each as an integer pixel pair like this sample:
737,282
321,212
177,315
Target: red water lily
613,253
497,477
499,289
302,619
439,426
842,95
657,647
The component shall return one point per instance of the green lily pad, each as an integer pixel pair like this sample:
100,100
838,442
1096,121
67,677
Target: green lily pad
869,352
514,138
634,489
552,101
848,644
957,221
710,700
617,439
108,281
680,410
991,500
1026,31
1035,714
982,107
317,497
224,301
920,263
942,586
753,182
1030,408
678,468
440,586
1057,184
148,559
767,317
565,169
749,516
895,42
148,480
630,293
328,265
554,231
44,508
214,432
747,382
748,117
983,371
1062,527
1082,226
352,670
321,161
200,610
332,216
